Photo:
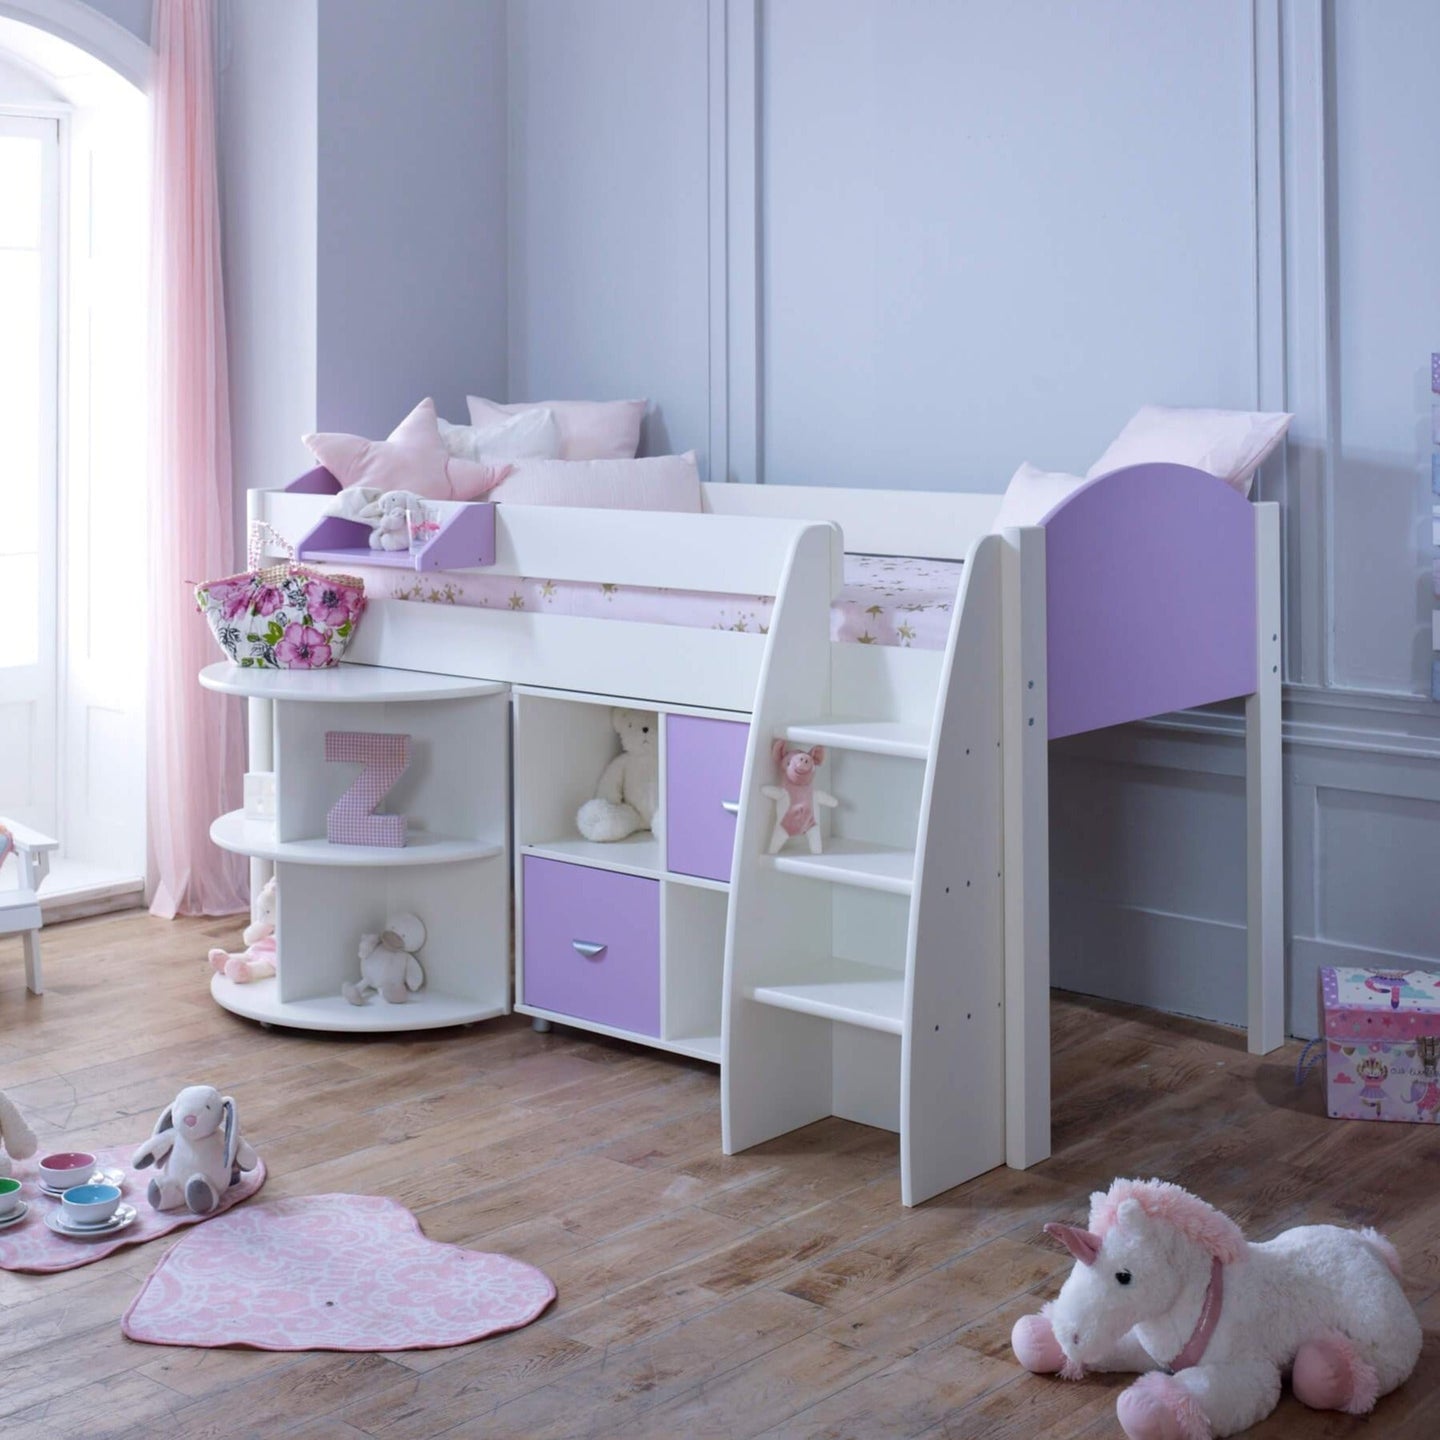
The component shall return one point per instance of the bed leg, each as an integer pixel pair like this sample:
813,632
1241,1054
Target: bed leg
1025,728
540,1025
1264,801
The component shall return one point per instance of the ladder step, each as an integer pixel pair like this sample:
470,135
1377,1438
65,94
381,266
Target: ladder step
874,737
845,990
852,862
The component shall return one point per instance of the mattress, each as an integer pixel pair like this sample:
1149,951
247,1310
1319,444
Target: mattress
885,599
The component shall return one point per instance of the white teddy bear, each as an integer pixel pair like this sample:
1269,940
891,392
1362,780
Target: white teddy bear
388,966
199,1150
628,794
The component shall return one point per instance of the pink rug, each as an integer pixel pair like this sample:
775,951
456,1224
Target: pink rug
32,1245
330,1272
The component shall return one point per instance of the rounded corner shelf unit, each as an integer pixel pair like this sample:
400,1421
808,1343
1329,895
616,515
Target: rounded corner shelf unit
256,838
343,684
426,1010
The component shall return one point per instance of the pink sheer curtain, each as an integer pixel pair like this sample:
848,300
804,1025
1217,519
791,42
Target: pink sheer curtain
195,743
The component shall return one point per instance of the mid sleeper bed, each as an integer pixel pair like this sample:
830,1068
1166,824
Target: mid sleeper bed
901,977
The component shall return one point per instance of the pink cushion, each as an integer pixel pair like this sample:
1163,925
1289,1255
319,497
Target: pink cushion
660,482
589,429
412,458
1032,494
1229,444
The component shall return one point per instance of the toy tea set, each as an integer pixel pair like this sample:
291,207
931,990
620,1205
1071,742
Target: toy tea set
196,1147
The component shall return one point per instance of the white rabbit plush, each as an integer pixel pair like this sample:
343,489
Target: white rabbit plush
15,1135
387,515
199,1150
388,966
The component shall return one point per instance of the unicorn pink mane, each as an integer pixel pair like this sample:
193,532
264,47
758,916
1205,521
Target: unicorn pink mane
1215,1233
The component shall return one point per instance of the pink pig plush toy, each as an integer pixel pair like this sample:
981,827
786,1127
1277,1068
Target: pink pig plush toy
796,797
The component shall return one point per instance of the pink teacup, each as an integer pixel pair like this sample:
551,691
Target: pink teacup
70,1167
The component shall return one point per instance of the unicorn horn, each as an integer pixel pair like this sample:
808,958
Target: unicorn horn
1080,1243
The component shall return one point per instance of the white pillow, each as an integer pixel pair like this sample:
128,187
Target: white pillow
589,429
1030,496
1230,444
526,435
660,482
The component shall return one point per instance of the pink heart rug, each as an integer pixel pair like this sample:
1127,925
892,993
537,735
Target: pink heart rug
31,1244
330,1272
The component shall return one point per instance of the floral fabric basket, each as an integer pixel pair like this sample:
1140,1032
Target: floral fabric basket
281,617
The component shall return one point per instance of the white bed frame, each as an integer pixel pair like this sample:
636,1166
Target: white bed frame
942,1030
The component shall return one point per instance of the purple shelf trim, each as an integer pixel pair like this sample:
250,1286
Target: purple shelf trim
318,481
466,539
1150,597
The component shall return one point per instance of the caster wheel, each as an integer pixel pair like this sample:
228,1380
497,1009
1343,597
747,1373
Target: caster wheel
540,1026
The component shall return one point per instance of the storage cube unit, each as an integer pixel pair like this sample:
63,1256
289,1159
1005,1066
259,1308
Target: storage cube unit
625,937
592,944
452,872
704,762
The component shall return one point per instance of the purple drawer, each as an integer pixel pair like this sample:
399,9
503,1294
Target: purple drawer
704,762
592,944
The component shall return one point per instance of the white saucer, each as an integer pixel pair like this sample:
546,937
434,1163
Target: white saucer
126,1215
113,1176
17,1217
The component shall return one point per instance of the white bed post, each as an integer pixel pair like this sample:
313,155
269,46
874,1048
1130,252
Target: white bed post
1027,852
1264,800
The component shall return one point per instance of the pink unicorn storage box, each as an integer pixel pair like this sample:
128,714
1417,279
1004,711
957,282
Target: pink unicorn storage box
1382,1043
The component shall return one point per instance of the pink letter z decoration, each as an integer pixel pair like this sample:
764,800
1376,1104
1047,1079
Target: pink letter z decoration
383,759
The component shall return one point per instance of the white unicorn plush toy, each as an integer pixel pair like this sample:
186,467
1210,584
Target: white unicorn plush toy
1166,1285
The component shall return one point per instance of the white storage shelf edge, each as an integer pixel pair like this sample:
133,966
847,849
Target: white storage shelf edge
452,871
257,838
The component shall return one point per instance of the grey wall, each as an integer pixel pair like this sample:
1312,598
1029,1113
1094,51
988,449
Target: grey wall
910,242
944,236
608,262
411,203
268,216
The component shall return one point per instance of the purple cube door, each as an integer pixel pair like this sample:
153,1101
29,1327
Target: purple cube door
704,763
592,944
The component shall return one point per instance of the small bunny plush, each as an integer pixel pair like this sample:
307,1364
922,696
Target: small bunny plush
628,794
199,1151
387,514
796,796
15,1135
388,966
258,959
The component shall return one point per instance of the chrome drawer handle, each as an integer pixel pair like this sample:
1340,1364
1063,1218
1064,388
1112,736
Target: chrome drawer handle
588,949
730,807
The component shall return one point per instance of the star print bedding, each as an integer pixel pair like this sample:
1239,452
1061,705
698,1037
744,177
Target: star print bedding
885,599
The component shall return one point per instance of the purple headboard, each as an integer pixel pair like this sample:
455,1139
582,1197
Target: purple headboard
1150,597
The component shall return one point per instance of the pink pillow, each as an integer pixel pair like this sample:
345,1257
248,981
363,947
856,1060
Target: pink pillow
589,429
413,458
659,482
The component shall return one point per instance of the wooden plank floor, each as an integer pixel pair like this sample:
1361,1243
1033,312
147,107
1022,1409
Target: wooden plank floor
784,1292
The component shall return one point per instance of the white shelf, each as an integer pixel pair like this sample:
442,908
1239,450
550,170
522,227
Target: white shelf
637,854
425,1010
337,684
852,862
257,838
874,737
699,1047
847,990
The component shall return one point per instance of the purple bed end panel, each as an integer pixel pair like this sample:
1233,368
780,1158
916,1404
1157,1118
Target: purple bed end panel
318,481
1150,597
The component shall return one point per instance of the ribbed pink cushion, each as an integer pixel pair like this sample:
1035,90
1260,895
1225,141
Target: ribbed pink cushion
659,482
589,429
